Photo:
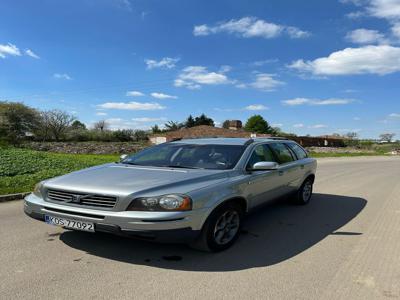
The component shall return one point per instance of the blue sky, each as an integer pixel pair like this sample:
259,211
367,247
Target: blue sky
310,67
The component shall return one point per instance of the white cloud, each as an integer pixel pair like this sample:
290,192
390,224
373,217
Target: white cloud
124,4
131,106
296,33
318,126
260,63
382,59
249,27
100,113
394,115
263,81
355,14
365,36
396,30
256,107
134,94
163,96
62,76
9,50
164,63
30,53
386,9
354,2
193,77
307,101
148,120
300,125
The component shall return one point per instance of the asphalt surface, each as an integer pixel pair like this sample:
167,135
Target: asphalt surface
344,245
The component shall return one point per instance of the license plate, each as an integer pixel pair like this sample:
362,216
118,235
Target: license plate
68,223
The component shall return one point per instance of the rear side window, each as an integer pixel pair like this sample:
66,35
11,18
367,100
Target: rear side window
260,153
300,153
282,152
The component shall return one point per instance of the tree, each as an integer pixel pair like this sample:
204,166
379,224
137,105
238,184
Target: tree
172,125
387,137
156,129
123,135
258,124
101,125
190,122
225,124
203,120
16,121
56,122
351,135
77,125
140,135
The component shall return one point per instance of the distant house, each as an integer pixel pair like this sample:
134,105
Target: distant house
202,131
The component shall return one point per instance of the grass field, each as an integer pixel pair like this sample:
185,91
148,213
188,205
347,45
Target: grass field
21,169
344,154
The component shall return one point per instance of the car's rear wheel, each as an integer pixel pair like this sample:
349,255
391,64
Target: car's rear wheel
304,193
221,229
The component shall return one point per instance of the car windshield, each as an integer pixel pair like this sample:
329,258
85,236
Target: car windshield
191,156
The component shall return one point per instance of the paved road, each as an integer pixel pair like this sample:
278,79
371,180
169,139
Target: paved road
344,245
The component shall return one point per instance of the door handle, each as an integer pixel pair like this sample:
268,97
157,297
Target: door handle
280,173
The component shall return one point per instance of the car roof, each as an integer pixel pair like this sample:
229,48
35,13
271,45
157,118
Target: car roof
225,141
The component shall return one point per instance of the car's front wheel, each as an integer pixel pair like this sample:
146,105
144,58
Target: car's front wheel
221,229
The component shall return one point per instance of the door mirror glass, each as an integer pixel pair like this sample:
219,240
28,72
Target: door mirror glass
265,165
123,156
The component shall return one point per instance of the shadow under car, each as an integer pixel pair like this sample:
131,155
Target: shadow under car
270,235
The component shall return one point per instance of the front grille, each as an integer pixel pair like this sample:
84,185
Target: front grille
82,198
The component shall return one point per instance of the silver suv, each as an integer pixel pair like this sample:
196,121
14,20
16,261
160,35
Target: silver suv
195,191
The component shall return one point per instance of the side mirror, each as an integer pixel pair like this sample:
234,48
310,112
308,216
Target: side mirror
265,165
123,156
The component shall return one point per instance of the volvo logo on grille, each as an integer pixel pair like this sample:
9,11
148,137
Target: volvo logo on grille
77,198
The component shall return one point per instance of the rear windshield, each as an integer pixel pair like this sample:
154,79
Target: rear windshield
219,157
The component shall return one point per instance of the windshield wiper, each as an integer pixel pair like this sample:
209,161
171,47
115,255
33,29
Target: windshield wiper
128,163
180,167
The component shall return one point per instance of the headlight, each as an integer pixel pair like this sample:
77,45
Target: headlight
37,190
173,202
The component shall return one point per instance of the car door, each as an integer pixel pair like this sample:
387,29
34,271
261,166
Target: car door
263,185
303,161
288,167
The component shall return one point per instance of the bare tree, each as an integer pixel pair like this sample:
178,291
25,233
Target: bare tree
101,125
351,135
55,122
387,137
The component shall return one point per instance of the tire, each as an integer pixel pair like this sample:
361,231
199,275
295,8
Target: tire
304,194
217,235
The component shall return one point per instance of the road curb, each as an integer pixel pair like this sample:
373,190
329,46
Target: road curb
12,197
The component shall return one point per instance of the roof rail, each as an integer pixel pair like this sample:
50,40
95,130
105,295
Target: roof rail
277,138
249,142
174,140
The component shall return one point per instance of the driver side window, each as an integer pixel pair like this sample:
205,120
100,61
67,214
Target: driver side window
260,153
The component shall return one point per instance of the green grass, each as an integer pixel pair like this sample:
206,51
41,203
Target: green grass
21,169
344,154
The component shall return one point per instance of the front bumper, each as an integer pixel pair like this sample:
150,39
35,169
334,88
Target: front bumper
158,226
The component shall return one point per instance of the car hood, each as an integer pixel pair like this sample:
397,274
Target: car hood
122,180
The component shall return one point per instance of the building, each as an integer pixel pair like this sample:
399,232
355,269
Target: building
201,131
205,131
